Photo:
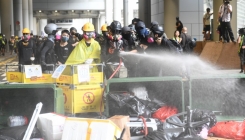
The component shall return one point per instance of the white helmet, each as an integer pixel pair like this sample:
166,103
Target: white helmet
50,28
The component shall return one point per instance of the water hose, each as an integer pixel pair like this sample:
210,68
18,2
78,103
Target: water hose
145,126
113,74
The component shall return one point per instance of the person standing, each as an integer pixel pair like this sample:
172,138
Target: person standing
87,48
47,54
179,25
225,13
74,37
185,41
177,36
11,44
2,43
63,48
4,46
241,51
206,24
26,48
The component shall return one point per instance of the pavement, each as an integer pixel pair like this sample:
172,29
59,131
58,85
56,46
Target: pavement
7,59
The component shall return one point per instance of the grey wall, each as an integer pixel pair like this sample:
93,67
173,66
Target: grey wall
191,14
68,5
157,11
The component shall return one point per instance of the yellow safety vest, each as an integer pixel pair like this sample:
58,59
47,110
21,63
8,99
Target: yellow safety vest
240,45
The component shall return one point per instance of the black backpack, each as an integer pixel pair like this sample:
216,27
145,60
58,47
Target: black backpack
38,50
50,57
189,44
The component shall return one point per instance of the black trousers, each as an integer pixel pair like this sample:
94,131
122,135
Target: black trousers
226,28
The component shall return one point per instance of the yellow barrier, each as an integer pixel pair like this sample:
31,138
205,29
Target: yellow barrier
84,98
14,77
95,77
21,78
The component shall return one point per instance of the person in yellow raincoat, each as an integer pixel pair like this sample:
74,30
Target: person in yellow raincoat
87,49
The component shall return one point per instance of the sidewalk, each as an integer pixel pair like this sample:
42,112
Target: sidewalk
7,58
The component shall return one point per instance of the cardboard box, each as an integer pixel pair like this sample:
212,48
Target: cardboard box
121,122
51,126
90,129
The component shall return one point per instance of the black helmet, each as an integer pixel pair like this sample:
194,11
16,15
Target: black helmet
140,25
153,23
126,29
135,20
132,27
116,25
73,28
241,31
158,30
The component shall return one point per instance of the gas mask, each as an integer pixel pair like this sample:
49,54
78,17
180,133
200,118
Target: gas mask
126,35
115,37
26,37
89,35
150,40
105,33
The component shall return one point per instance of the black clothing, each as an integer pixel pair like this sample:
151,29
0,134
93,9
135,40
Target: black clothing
101,39
88,44
47,53
130,40
72,41
207,28
11,46
185,43
26,52
179,28
112,49
62,52
226,30
242,52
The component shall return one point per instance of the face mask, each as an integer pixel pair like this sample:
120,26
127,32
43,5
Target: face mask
64,38
40,38
26,37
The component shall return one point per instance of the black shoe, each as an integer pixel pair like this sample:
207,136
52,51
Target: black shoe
241,71
225,41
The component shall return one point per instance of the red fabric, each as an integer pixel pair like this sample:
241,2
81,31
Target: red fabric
164,112
230,130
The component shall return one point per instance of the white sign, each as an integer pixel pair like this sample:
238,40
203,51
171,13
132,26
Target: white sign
33,71
58,71
83,73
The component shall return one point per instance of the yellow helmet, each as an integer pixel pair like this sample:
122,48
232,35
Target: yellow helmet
104,28
26,31
16,37
88,27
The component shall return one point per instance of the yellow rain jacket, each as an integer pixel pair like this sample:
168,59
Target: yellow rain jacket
81,52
